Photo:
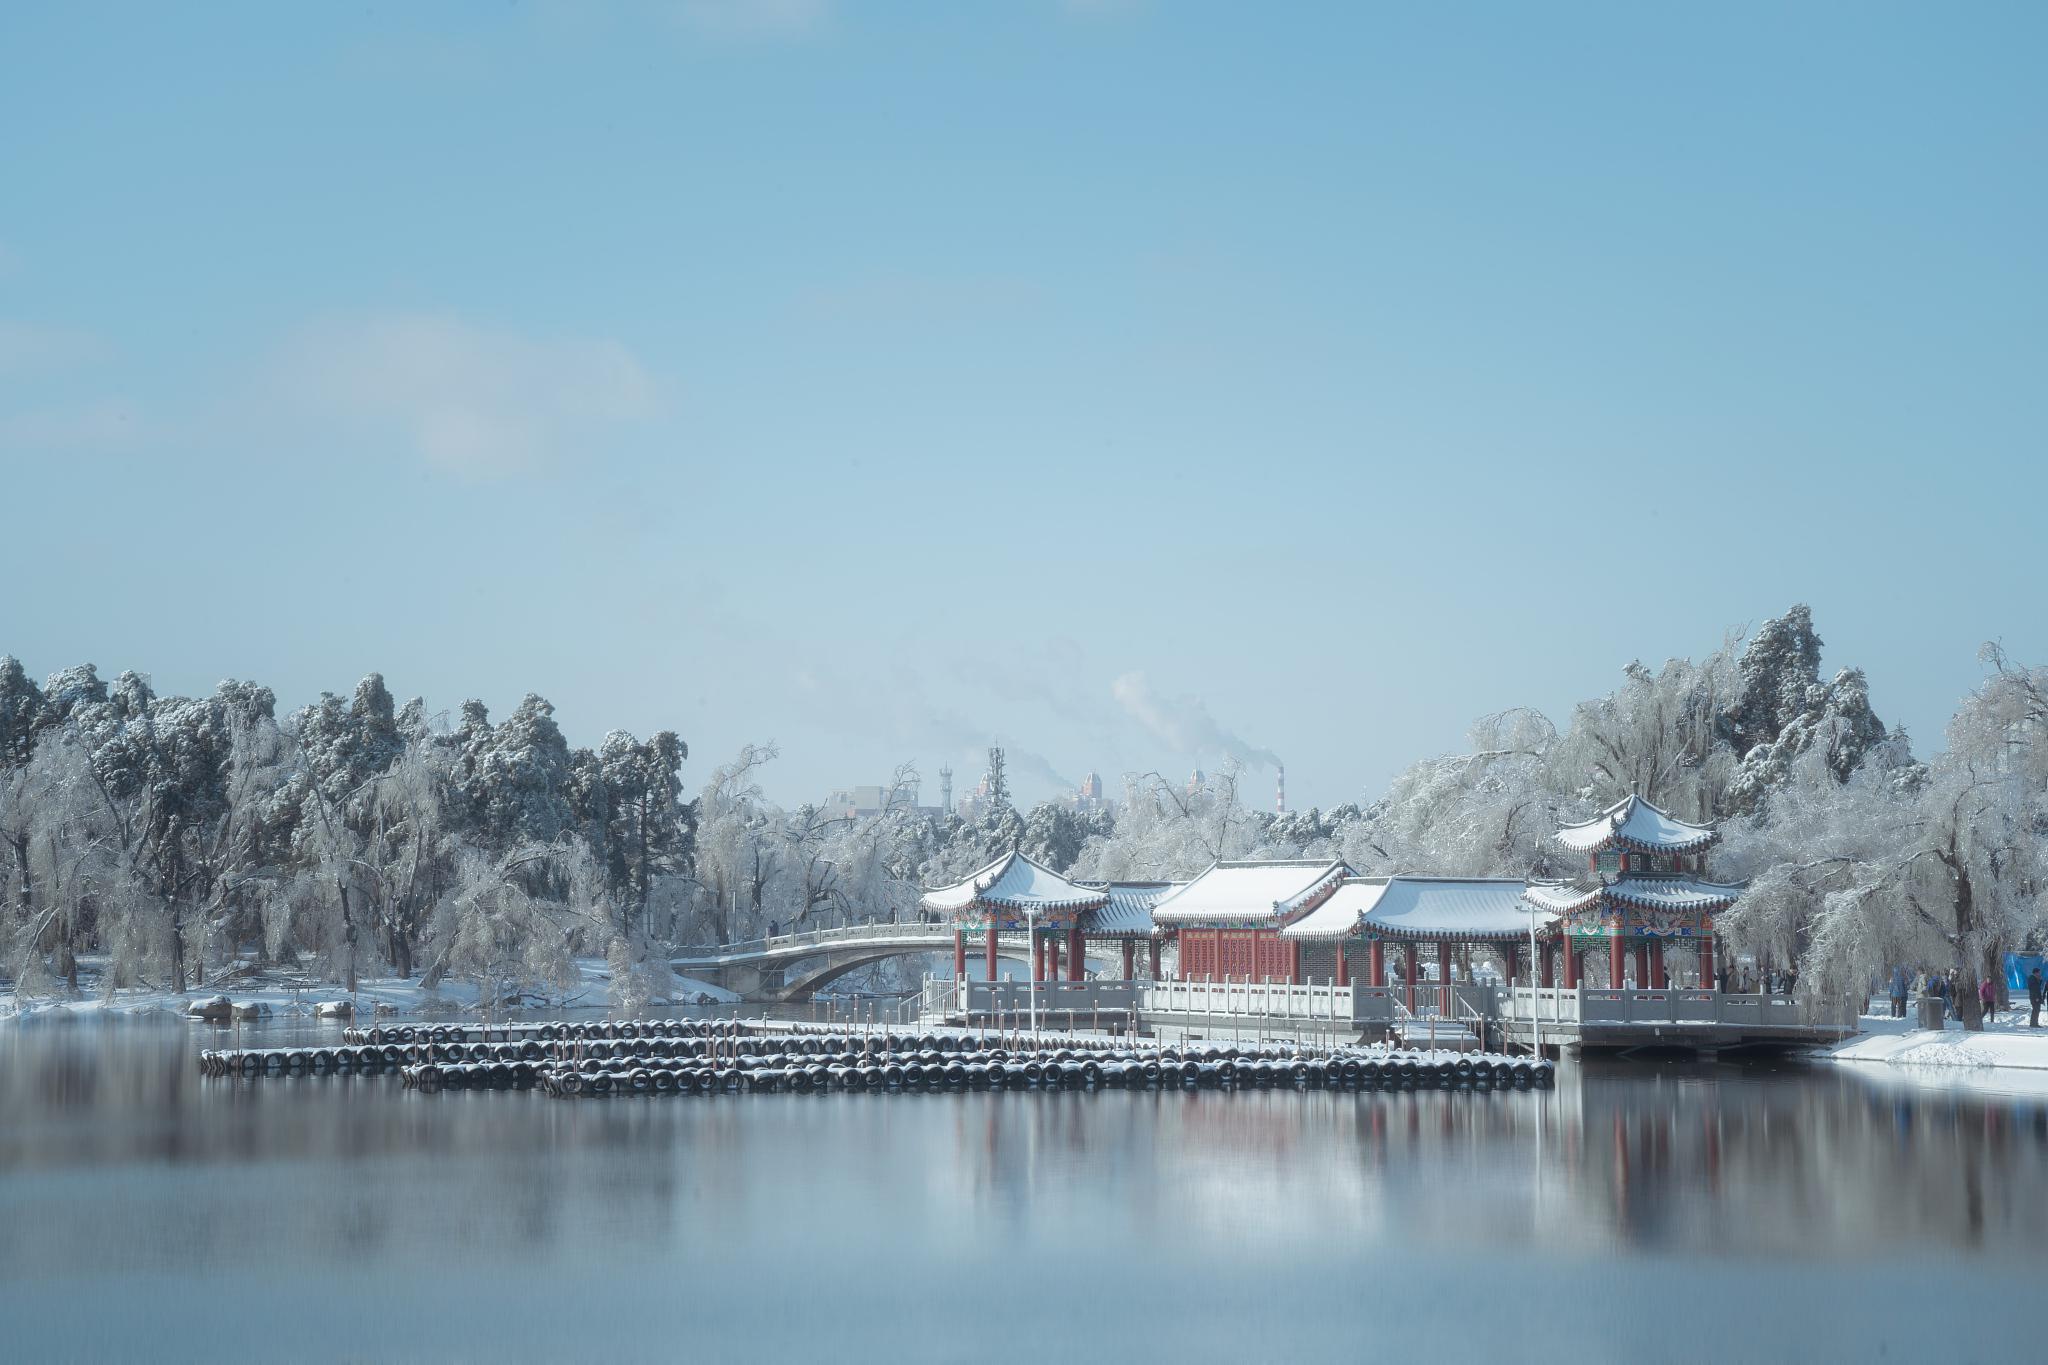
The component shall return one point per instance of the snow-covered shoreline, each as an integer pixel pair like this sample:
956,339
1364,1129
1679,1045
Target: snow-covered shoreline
277,994
2005,1043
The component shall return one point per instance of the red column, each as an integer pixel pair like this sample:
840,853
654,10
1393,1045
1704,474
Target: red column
1707,962
1130,958
1037,958
1343,967
1376,962
1614,962
1658,978
1546,976
959,953
1155,959
991,950
1294,964
1443,977
1642,965
1571,965
1510,961
1052,959
1077,956
1411,976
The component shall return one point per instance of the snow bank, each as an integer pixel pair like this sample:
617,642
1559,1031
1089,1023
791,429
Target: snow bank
373,997
2005,1042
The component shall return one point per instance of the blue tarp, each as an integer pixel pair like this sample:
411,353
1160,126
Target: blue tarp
2017,965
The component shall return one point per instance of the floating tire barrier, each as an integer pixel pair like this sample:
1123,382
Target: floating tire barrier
726,1057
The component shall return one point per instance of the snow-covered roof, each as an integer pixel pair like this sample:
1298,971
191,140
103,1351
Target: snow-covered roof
1129,911
1644,893
1413,906
1338,917
1249,891
1015,882
1634,823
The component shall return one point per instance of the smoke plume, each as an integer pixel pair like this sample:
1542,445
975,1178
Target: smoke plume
1185,723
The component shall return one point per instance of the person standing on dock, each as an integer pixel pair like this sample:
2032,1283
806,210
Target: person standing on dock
2035,987
1987,996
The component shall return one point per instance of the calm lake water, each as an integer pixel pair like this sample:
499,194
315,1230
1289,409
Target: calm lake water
1646,1211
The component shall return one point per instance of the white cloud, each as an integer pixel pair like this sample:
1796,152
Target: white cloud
479,401
26,346
757,18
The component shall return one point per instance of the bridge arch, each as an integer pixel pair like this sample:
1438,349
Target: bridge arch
792,967
805,982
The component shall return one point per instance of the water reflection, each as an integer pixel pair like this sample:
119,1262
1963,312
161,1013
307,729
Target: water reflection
115,1154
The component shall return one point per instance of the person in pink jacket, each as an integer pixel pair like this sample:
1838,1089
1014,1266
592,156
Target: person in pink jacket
1988,996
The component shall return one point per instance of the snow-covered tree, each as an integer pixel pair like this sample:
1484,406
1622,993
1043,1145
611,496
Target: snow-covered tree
641,821
1937,865
1783,710
518,917
1164,831
1484,813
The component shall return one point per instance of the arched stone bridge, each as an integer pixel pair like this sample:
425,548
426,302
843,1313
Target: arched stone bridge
791,967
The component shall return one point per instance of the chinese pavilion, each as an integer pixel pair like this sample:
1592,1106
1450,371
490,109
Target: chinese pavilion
1015,893
1643,887
1353,930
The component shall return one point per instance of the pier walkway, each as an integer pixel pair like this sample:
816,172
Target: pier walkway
1456,1017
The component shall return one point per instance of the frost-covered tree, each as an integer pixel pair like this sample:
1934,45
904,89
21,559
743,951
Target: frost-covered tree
1937,865
1054,833
1167,831
22,713
1782,710
185,782
51,821
511,782
641,820
518,917
1310,833
1656,736
1484,813
737,845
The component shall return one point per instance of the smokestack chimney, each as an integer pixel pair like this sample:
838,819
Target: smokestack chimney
1280,792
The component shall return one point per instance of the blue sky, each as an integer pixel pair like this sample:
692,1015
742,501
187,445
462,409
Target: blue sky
1119,380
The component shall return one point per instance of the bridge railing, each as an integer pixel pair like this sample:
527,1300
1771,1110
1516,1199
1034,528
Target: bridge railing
814,938
1061,997
1242,998
1675,1005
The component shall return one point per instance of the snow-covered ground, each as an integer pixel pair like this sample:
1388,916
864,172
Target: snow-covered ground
284,993
2005,1042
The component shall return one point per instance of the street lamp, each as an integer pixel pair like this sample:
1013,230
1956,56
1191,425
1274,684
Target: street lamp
1031,944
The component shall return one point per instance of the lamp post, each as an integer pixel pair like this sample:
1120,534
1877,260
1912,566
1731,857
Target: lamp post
1031,942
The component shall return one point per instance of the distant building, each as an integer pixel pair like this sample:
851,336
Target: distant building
858,803
1088,798
975,804
864,803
